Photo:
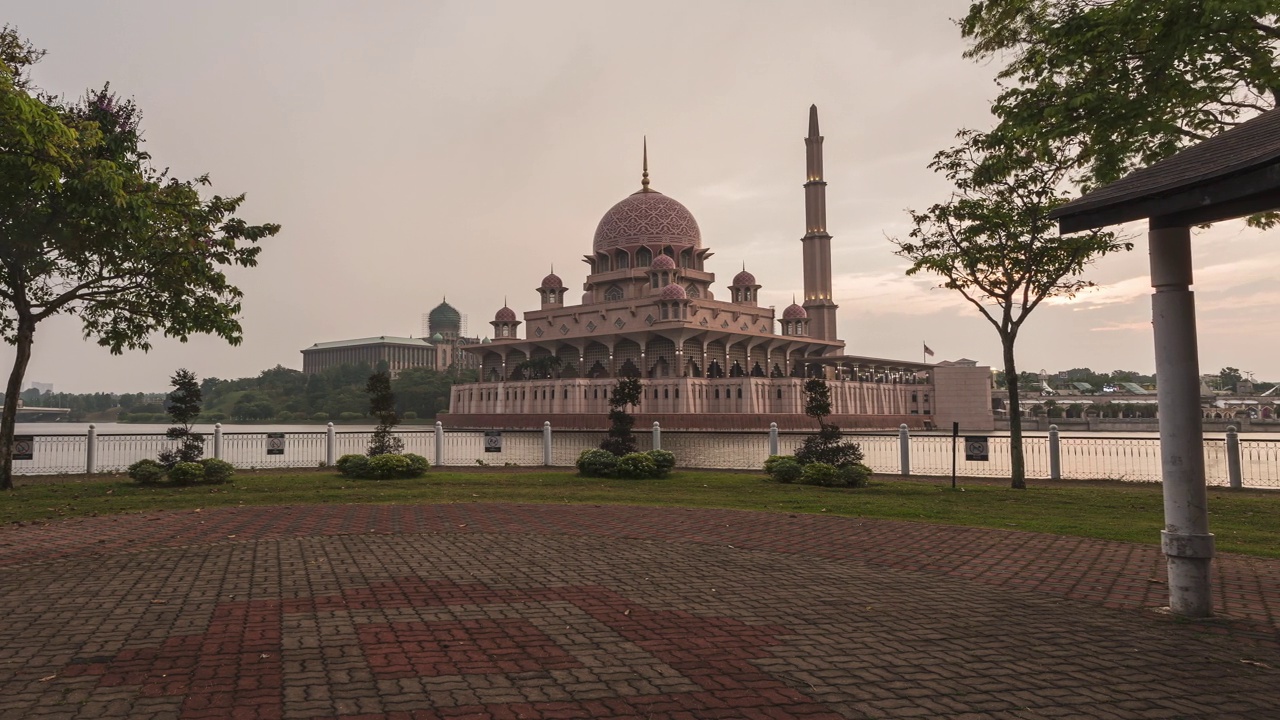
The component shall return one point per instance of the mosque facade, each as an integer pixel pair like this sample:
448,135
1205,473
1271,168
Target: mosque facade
707,360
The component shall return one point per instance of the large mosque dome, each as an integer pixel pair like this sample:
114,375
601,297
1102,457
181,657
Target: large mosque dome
444,318
647,217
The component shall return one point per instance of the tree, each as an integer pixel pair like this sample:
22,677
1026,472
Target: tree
184,408
382,405
1230,377
90,228
993,242
826,445
626,393
1126,82
543,367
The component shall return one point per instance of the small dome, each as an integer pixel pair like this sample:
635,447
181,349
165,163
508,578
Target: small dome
586,298
663,262
794,312
506,314
672,292
744,278
552,281
437,338
485,341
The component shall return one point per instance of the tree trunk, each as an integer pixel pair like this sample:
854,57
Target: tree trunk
1017,466
12,395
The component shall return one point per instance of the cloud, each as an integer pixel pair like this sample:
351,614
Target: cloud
1123,326
894,293
1220,278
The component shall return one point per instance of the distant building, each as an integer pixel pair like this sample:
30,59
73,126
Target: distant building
41,387
441,350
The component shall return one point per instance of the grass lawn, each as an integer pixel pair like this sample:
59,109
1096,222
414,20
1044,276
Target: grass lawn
1245,521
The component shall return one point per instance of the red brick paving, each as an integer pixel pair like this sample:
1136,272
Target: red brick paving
539,611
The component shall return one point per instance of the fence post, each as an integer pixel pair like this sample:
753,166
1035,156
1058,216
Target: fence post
904,448
1055,454
773,439
217,441
546,443
657,436
439,443
330,446
1233,457
91,450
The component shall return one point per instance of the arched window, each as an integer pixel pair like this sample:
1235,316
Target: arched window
505,330
686,258
613,294
602,263
693,291
666,279
665,311
653,280
644,257
622,261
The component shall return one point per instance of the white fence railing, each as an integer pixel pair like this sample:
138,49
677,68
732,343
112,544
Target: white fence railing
1082,458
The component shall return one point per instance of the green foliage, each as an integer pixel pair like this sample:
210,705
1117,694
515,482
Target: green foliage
1125,83
827,445
388,466
96,230
1229,377
382,405
596,463
817,398
543,367
418,465
320,417
783,468
146,471
819,473
409,415
664,460
353,465
217,471
183,408
993,242
626,393
186,472
856,475
636,466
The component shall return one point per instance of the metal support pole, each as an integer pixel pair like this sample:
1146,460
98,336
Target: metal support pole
91,450
439,443
217,440
546,443
904,449
330,445
1233,457
1055,454
1186,540
773,439
657,436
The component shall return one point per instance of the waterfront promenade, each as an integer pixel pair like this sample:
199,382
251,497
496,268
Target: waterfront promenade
560,611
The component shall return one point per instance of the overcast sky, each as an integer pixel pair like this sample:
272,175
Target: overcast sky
414,150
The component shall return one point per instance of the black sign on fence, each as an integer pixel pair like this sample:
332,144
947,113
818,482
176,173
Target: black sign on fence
24,447
275,443
975,448
492,441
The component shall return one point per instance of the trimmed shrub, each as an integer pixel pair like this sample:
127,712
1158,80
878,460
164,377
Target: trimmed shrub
320,417
597,463
783,468
855,476
410,415
387,466
664,460
356,466
418,465
349,416
186,472
635,466
217,471
146,471
819,473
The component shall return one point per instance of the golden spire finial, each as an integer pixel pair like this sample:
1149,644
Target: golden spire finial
644,177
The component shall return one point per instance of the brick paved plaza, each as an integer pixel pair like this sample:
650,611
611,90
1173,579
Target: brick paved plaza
523,611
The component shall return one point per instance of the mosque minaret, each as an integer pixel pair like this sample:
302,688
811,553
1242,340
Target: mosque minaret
818,302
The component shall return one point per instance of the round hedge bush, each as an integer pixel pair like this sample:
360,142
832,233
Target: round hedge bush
186,472
387,466
146,471
217,471
418,465
355,466
856,475
597,463
783,468
664,460
818,473
635,466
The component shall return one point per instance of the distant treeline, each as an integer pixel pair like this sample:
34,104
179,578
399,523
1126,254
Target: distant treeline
280,394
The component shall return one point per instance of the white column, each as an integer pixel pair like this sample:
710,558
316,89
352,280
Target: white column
773,439
1186,540
546,443
330,444
217,440
1233,457
1055,454
439,443
657,436
904,449
91,450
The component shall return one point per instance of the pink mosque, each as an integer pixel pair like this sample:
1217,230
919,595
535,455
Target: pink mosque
649,311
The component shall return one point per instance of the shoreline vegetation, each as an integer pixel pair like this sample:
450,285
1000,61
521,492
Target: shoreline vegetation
1244,521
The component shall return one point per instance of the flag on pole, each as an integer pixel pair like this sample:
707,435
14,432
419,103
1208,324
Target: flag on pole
927,351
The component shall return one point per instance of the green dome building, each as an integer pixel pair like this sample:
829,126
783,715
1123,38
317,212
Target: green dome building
444,320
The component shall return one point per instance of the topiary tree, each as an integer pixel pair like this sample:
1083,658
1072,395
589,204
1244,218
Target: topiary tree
826,445
183,408
626,393
382,405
